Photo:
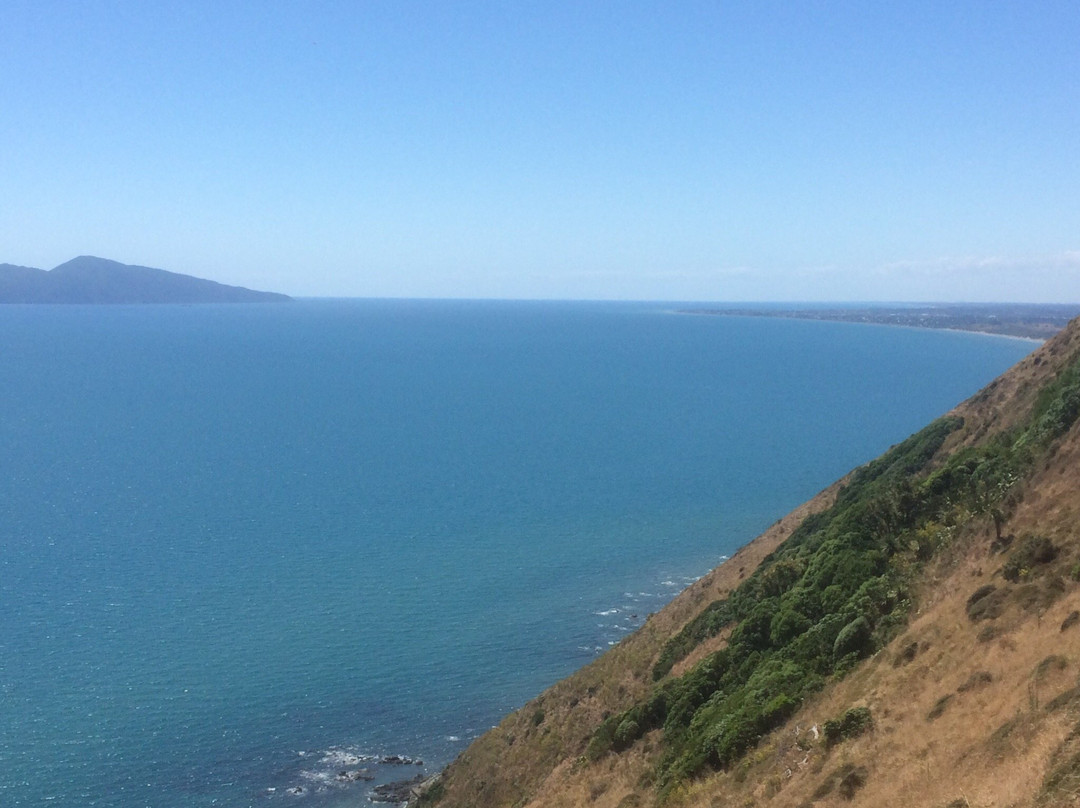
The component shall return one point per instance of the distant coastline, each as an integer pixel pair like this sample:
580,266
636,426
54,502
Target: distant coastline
1035,322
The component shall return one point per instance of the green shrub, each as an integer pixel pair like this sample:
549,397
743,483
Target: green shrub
939,707
710,622
813,649
1029,554
985,603
854,638
778,710
754,632
1056,408
831,730
779,577
601,742
851,724
626,733
906,655
786,625
1054,662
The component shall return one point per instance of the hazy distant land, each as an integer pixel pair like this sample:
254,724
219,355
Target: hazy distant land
1034,321
87,279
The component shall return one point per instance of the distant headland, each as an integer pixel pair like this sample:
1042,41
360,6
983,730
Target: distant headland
1029,320
87,279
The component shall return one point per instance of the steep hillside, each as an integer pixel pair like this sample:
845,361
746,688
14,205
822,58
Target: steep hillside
911,636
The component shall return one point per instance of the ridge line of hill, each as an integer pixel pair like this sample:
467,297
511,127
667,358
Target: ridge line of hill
91,280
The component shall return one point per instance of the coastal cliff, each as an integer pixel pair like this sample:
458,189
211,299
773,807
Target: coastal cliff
910,636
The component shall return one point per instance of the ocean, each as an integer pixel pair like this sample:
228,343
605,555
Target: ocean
245,549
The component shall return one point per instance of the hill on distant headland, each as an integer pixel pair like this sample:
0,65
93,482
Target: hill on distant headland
87,279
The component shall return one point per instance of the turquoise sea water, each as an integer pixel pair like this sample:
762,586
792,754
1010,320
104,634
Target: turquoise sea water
243,547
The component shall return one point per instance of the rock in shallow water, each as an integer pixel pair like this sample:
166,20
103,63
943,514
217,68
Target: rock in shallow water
354,775
401,760
399,791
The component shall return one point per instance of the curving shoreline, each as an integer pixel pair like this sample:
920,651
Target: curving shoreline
1031,322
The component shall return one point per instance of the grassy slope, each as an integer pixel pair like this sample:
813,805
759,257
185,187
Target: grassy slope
993,743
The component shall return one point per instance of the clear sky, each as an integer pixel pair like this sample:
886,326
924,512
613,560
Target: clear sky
714,151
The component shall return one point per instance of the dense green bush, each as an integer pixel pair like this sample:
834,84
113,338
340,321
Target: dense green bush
786,625
1057,407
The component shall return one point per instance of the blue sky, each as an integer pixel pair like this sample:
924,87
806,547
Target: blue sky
667,151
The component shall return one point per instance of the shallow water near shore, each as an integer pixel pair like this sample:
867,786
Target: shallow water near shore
247,549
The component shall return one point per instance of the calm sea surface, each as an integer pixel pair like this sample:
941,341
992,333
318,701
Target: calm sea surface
244,547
